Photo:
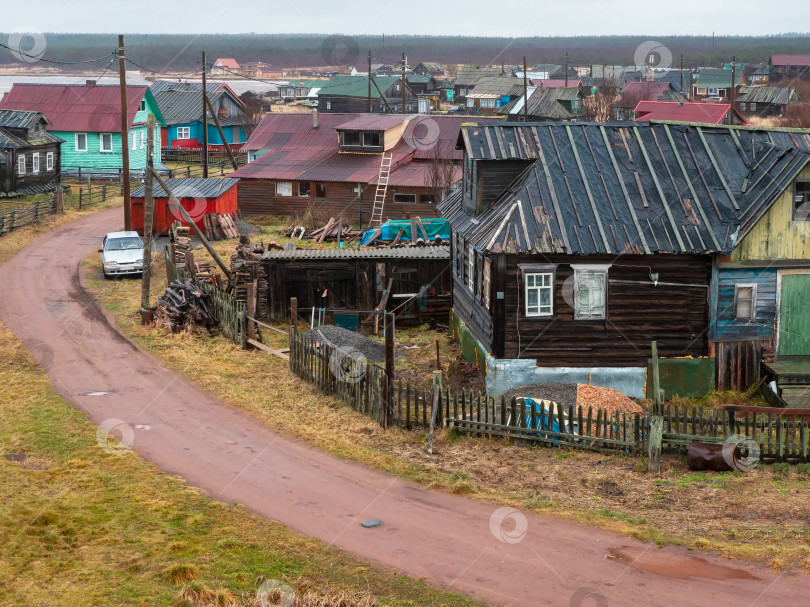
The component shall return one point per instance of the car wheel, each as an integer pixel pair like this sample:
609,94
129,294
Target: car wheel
106,276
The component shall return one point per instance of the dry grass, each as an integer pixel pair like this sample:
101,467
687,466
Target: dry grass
83,527
760,516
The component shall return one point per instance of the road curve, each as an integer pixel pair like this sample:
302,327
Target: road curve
475,548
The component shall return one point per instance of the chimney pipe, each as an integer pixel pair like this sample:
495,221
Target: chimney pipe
90,83
314,119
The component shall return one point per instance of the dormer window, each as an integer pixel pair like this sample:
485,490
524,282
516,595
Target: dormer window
371,139
351,138
362,141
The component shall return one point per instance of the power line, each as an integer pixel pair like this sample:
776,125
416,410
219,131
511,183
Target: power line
146,69
242,76
17,51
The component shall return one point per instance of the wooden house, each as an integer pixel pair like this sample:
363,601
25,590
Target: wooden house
258,69
546,104
225,67
180,104
766,101
199,197
29,154
300,89
351,93
329,164
429,68
787,67
633,93
714,85
469,76
576,245
88,118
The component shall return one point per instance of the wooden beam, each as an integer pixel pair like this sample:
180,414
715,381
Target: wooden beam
269,350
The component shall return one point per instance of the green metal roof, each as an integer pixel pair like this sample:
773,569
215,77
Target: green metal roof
715,78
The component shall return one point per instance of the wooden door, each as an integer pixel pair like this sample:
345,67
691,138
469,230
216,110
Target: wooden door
794,315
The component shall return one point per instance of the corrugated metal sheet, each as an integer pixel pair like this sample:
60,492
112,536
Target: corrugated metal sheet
189,188
20,119
440,252
91,108
182,101
770,94
544,104
372,122
628,188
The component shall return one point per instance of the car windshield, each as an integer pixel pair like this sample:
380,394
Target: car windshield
123,244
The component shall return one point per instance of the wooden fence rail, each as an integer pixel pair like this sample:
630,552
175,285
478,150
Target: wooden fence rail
194,155
100,193
20,215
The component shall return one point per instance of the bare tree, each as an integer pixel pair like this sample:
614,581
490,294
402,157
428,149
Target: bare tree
253,112
441,174
599,106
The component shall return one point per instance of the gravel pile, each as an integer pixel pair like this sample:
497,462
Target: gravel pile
343,338
563,394
246,229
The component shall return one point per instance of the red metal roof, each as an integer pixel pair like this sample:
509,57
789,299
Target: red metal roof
710,113
373,122
92,108
298,151
229,63
646,91
794,60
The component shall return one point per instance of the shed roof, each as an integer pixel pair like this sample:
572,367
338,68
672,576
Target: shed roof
189,188
438,252
182,101
94,108
20,119
710,113
628,188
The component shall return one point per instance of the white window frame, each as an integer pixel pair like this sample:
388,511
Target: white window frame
284,188
134,140
753,107
486,284
21,164
471,267
143,138
183,132
532,277
470,102
328,105
712,91
745,285
583,272
76,142
35,162
49,161
101,147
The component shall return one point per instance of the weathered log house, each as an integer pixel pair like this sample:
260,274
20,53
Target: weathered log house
329,164
29,155
576,245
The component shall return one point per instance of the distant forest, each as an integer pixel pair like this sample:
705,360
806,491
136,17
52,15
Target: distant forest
181,52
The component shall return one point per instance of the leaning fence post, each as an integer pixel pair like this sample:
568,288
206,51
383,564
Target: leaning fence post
658,401
655,444
437,398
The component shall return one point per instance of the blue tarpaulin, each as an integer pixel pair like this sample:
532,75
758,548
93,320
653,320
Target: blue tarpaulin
390,229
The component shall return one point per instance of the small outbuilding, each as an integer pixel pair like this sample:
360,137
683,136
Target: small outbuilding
199,197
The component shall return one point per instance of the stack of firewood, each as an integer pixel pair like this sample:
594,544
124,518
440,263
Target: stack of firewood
245,265
182,244
183,306
219,227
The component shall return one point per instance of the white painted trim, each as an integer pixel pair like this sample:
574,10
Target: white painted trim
101,143
76,142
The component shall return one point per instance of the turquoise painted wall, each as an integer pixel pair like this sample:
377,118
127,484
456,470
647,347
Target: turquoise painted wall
213,134
95,158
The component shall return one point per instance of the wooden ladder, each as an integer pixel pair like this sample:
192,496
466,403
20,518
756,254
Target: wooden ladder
382,188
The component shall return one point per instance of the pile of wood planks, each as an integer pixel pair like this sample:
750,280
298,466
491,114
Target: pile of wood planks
330,231
219,226
183,306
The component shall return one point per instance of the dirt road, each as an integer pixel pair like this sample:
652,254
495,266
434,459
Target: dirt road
497,555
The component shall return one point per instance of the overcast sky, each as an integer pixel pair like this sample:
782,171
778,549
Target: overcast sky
473,17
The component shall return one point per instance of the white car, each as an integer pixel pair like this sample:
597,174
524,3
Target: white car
121,253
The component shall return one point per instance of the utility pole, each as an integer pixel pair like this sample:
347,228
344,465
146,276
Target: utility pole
204,120
148,213
369,82
525,92
122,83
733,85
681,72
403,83
566,69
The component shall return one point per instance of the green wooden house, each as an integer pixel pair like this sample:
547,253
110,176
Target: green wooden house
88,118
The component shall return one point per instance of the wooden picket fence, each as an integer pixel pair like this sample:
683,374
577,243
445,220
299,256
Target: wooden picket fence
230,313
100,193
18,215
195,155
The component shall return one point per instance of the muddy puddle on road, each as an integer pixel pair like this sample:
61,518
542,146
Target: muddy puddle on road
675,566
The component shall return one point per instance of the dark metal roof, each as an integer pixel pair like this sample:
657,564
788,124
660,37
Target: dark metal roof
32,189
628,187
437,252
20,119
189,188
182,101
770,94
544,104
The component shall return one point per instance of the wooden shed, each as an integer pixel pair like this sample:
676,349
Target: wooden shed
199,197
